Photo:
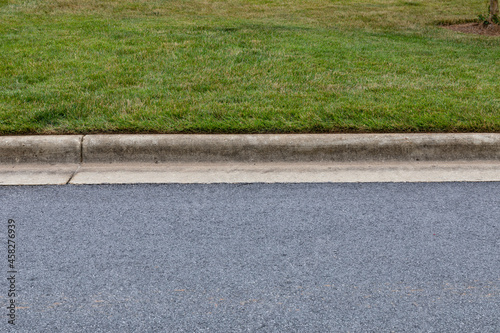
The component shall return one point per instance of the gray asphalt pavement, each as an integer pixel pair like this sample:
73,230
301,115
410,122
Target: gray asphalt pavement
372,257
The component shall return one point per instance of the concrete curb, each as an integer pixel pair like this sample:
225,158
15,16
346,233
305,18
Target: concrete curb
46,149
248,148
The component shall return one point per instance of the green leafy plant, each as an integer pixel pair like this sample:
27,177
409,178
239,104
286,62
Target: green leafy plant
493,11
485,20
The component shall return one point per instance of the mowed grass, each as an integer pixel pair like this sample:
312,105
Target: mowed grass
258,66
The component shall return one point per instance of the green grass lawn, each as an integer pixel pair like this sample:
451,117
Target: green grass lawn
253,66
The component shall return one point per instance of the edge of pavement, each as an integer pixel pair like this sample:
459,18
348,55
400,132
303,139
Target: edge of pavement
245,158
195,148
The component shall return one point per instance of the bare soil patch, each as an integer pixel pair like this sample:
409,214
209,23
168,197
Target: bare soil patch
476,28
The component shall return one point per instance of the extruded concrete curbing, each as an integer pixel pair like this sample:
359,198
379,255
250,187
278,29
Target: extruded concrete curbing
290,148
187,148
46,149
118,159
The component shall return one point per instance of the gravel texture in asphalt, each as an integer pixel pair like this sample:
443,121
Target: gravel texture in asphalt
405,257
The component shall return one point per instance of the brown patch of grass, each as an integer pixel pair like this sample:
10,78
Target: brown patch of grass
476,28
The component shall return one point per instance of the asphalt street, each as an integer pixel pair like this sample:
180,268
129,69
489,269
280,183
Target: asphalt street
366,257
